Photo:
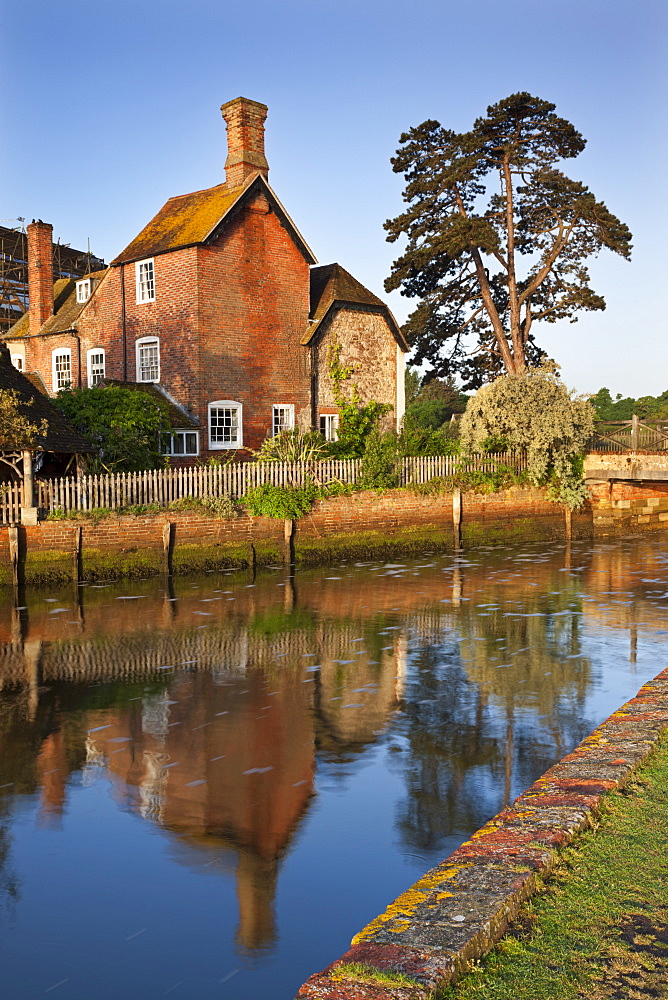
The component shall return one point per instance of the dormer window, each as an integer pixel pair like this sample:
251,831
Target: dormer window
145,279
83,290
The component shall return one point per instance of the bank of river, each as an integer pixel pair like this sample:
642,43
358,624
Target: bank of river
209,787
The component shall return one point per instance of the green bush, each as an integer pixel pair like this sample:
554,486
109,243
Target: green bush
293,445
222,506
285,502
380,461
415,441
123,425
534,412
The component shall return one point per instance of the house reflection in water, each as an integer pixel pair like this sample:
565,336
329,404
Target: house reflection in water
207,709
218,747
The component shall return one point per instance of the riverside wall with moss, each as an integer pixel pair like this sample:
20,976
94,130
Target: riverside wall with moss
368,524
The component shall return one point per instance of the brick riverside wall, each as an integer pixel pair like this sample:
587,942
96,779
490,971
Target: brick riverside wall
515,515
455,913
622,507
522,511
203,540
123,534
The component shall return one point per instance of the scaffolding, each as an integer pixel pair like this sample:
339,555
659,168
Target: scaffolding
67,263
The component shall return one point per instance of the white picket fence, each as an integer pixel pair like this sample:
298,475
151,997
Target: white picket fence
11,500
162,486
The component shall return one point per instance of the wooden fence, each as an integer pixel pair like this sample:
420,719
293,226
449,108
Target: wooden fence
11,500
163,486
633,435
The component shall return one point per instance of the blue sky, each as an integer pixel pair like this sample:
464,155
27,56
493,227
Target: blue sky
111,109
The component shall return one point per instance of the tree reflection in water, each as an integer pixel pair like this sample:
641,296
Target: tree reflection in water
210,707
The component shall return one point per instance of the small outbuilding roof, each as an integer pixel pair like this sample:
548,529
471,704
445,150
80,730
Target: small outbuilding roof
60,436
332,287
179,418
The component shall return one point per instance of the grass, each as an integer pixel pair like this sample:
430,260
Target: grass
360,973
599,931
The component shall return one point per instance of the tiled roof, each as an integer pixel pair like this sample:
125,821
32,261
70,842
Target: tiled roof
333,286
60,436
66,309
189,219
183,221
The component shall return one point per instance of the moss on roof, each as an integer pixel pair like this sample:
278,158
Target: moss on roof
332,285
189,219
182,221
60,436
66,309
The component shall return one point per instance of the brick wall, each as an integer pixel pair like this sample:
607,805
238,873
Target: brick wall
620,507
516,515
254,288
125,534
229,318
523,512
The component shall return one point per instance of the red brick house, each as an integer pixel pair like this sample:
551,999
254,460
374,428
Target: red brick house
217,303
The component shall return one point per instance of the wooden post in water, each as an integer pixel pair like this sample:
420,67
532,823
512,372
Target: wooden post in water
76,553
168,547
289,542
457,518
568,516
13,535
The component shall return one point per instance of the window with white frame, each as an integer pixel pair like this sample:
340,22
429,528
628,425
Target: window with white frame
225,424
283,418
96,366
17,361
180,443
148,359
145,279
83,290
61,364
329,426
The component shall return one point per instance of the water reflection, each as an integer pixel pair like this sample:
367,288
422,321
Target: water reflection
244,718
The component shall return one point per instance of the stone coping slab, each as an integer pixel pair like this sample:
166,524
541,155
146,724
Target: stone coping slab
458,910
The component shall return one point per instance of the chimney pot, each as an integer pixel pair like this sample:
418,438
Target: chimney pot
245,140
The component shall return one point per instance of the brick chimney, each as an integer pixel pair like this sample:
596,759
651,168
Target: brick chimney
40,273
245,140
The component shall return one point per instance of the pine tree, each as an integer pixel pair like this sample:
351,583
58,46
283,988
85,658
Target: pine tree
497,238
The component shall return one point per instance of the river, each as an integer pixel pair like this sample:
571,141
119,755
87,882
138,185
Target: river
209,784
